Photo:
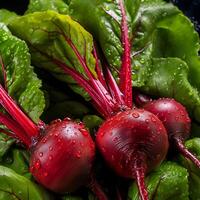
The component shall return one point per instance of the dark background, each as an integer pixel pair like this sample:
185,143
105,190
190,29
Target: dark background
190,7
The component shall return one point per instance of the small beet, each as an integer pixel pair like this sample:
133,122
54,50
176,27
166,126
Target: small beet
176,121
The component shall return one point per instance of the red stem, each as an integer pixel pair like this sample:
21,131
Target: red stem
98,97
125,71
185,152
140,179
97,190
98,69
23,121
18,132
139,171
114,89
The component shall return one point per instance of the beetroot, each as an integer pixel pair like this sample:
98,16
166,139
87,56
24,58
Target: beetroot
65,155
62,153
133,143
175,119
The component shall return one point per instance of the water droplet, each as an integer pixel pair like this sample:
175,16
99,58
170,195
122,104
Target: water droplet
45,174
147,121
50,157
73,142
55,121
103,150
37,165
59,140
113,157
177,118
83,131
56,135
44,140
136,114
50,148
78,155
41,154
67,119
82,144
102,134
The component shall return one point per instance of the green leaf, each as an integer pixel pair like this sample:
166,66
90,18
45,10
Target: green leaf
92,122
43,5
5,144
169,181
21,82
168,77
47,34
14,186
6,16
18,160
194,173
176,44
104,20
70,197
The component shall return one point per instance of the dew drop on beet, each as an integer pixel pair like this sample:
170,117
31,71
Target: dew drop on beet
83,131
113,158
51,148
73,142
50,157
78,155
41,154
45,174
67,119
135,114
55,121
82,144
37,165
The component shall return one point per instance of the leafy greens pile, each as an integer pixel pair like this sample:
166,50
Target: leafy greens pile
165,63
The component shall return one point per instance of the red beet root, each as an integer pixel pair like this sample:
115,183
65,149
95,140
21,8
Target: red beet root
62,153
65,155
133,142
175,119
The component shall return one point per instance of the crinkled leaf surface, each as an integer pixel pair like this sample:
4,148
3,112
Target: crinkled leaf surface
6,16
5,144
43,5
47,33
169,181
168,77
103,21
16,187
21,81
18,160
194,173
